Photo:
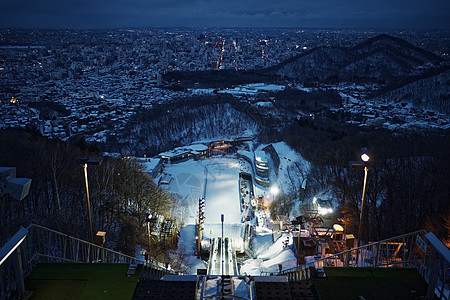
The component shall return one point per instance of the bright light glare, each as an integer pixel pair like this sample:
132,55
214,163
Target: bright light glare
274,190
314,200
324,210
365,157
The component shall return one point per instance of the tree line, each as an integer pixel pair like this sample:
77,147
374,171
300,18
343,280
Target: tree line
120,192
183,121
408,183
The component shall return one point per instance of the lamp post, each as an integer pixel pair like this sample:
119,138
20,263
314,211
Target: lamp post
366,165
222,252
148,219
85,162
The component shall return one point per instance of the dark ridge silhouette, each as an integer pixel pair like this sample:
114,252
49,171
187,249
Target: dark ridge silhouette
400,42
380,59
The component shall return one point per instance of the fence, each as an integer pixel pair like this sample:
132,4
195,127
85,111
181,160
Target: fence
40,244
399,251
420,250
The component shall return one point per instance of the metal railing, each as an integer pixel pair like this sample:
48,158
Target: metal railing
49,245
11,271
420,250
437,273
298,274
40,244
399,251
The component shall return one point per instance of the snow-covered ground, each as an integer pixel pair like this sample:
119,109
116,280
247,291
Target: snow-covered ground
269,255
252,89
187,181
222,192
293,168
217,180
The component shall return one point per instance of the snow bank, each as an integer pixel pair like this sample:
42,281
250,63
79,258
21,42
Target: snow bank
268,259
293,168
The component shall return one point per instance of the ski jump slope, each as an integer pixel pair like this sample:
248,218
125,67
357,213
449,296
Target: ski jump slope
222,254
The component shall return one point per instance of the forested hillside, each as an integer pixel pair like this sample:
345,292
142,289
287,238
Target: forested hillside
429,93
183,122
120,192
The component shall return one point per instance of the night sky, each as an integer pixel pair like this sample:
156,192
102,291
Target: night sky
382,14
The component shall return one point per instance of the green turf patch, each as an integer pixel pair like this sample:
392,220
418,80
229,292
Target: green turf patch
340,288
81,281
347,271
55,289
371,283
395,273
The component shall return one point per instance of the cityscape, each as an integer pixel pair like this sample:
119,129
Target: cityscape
91,83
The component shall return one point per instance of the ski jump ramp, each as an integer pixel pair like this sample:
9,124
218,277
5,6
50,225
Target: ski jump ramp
222,258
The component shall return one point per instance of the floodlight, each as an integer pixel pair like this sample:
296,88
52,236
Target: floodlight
274,190
365,157
18,188
324,210
148,217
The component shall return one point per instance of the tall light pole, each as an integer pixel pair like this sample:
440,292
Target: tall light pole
85,162
148,219
222,252
366,165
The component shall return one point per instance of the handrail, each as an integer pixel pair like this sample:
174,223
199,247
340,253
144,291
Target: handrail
437,244
12,244
11,271
96,249
87,243
438,266
367,246
431,258
340,254
37,243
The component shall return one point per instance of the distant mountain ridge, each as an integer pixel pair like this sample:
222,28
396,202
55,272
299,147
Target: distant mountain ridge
403,71
382,59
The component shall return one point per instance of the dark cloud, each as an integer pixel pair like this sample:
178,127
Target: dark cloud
252,13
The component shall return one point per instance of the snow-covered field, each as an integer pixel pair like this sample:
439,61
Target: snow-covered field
215,179
269,255
222,192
